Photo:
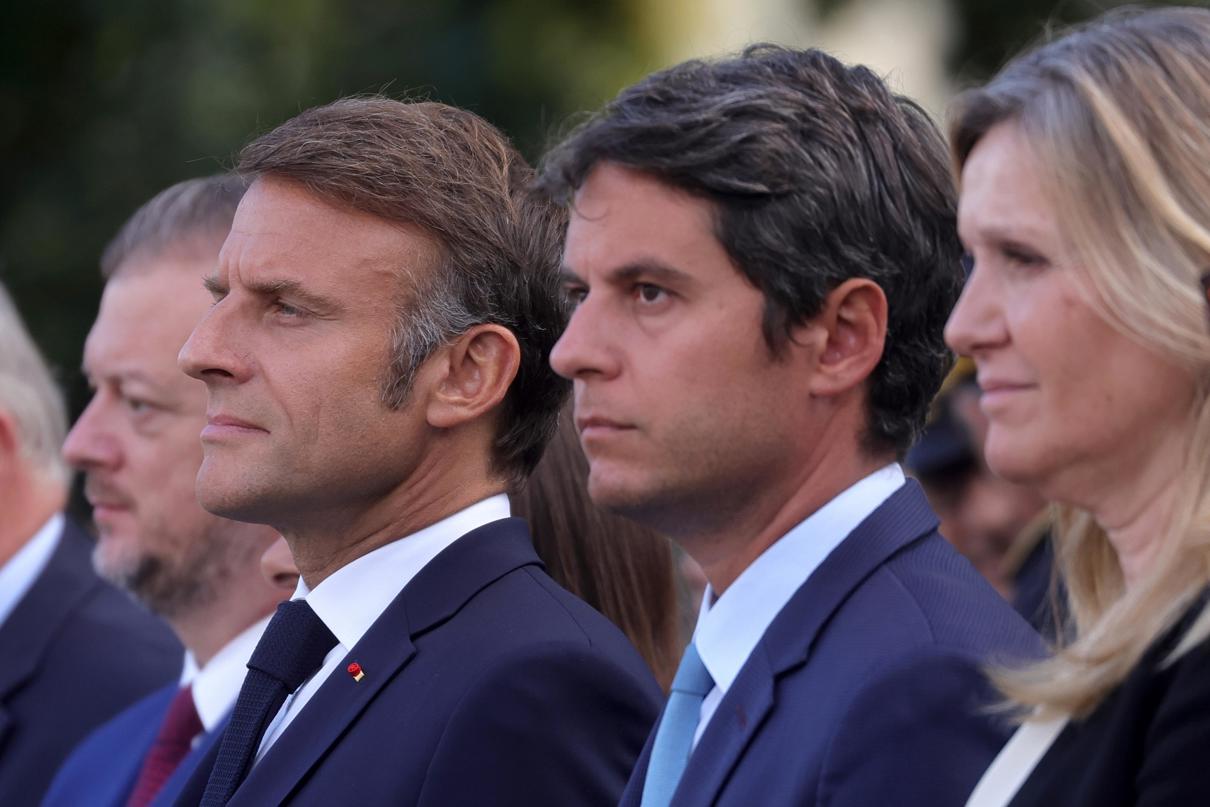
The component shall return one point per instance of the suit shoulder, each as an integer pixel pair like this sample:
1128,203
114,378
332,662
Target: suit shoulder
556,718
114,749
526,608
933,593
110,625
129,731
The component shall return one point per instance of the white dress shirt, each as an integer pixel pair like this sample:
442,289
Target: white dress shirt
217,685
352,598
729,628
23,568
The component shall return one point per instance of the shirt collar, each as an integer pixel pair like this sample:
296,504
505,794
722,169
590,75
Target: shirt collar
216,686
729,628
352,598
17,576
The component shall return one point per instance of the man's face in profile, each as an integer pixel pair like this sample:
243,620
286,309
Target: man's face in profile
137,440
294,353
681,407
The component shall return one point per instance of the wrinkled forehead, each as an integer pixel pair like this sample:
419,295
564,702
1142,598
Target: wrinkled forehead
281,227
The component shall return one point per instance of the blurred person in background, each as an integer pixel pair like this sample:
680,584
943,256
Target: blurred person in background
376,362
75,650
1085,204
762,254
613,564
137,444
1000,527
618,567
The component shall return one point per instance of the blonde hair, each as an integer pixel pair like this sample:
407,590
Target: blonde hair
1118,113
29,395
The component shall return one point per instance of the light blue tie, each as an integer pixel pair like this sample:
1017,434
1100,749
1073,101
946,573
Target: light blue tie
674,738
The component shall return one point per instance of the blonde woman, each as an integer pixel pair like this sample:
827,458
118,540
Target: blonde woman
1085,206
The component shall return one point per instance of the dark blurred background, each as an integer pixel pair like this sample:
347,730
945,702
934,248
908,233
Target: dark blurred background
105,102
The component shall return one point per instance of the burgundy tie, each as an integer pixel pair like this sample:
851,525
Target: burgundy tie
172,743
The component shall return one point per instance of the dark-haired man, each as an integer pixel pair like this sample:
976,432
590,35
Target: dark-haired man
376,361
136,443
762,252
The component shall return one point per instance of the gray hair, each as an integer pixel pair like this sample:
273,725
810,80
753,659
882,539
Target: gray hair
190,215
29,395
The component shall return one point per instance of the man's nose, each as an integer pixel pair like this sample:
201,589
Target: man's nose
586,346
90,443
208,354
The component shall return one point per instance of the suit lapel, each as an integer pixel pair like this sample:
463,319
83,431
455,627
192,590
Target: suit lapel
899,521
325,718
34,622
736,720
440,589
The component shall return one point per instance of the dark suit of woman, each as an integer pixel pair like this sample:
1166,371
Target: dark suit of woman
1147,744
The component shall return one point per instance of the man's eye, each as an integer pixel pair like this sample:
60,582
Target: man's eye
136,405
287,310
649,293
574,295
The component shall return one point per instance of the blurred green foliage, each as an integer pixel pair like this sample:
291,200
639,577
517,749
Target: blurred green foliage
105,102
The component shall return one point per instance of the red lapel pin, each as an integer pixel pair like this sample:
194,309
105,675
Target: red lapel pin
356,671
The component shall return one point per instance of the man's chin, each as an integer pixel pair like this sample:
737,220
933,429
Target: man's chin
615,495
117,562
232,503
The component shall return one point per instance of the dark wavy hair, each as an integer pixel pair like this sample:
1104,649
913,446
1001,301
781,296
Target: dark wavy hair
818,173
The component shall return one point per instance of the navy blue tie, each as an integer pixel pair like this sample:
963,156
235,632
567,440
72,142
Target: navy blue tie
291,649
674,738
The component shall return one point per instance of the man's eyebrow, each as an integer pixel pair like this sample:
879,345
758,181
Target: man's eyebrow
274,288
649,269
123,375
213,285
294,290
568,275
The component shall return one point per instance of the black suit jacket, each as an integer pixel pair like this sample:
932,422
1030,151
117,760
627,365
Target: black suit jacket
485,684
1147,744
73,653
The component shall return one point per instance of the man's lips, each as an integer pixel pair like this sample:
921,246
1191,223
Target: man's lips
108,506
220,426
595,425
106,502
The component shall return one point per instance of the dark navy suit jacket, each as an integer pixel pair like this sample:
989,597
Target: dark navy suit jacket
866,689
485,684
103,769
73,653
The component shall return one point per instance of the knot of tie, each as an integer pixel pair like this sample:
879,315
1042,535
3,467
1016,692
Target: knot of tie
291,649
293,646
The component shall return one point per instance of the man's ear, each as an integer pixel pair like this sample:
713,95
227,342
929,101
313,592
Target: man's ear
8,435
853,324
10,448
475,371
